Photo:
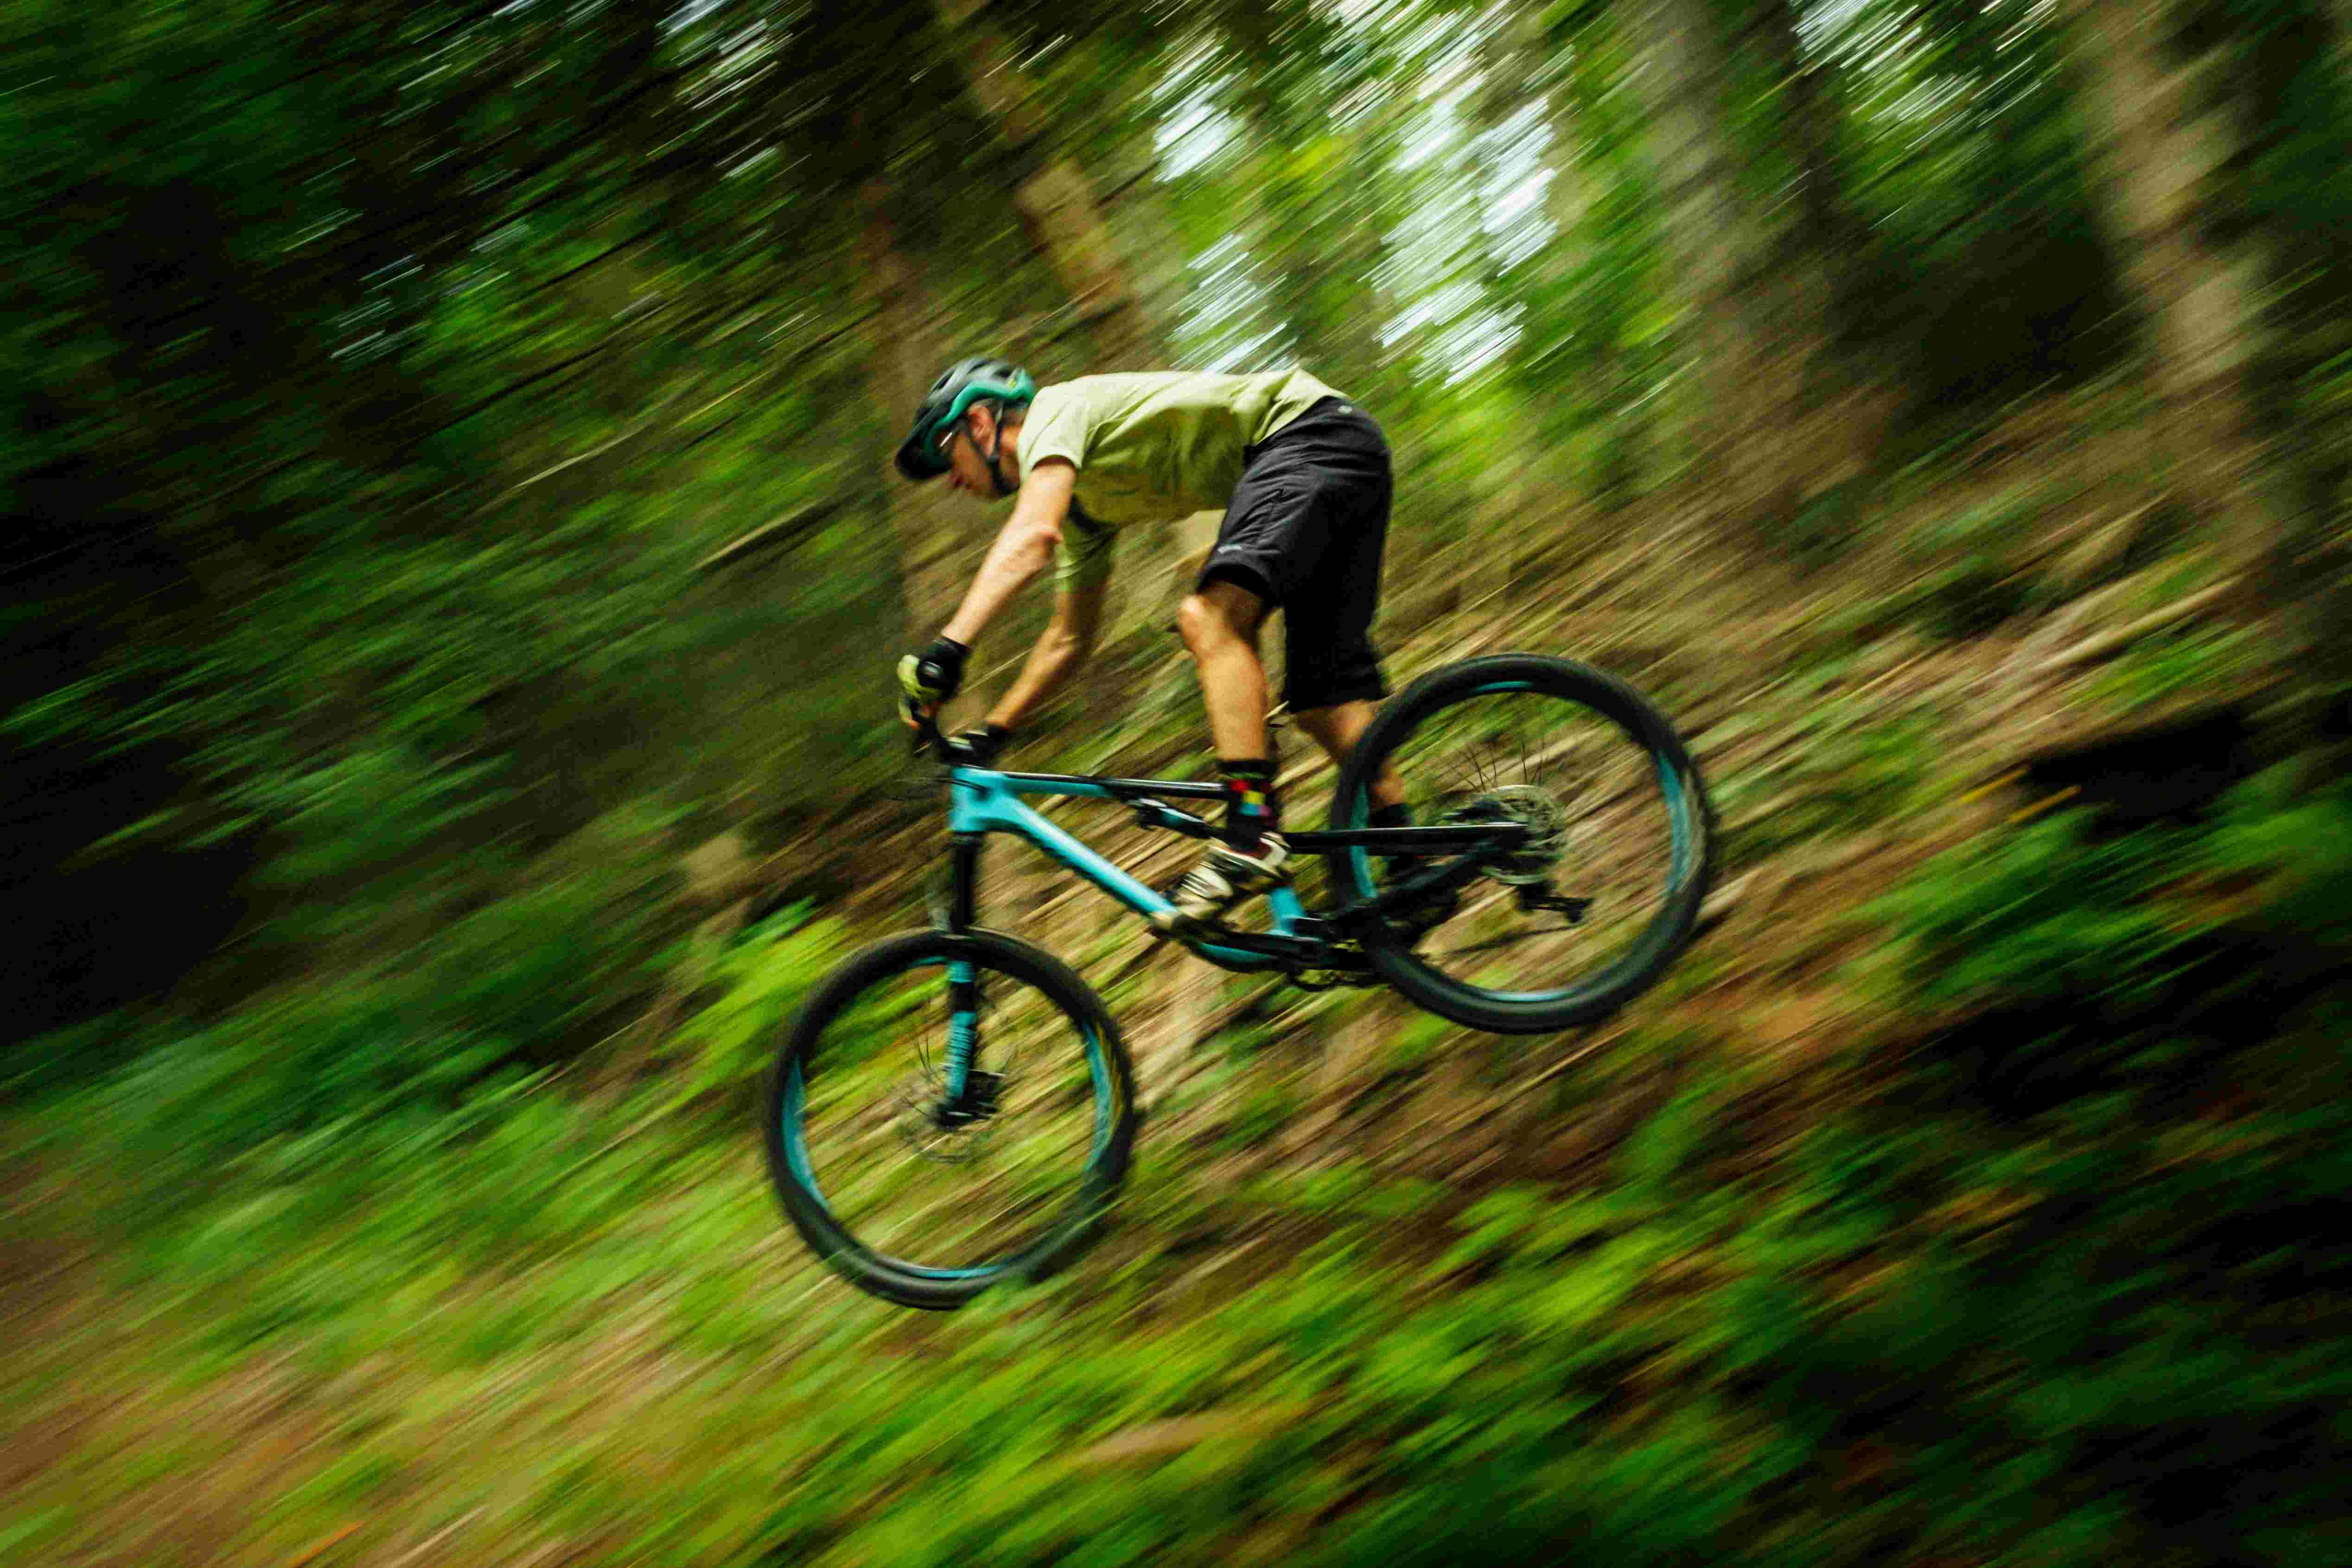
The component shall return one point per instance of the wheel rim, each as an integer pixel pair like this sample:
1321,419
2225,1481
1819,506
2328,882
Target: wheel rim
929,1184
1608,820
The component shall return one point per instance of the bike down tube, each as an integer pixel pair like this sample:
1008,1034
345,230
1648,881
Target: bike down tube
985,801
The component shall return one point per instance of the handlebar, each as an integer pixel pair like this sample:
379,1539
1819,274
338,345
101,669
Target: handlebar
927,729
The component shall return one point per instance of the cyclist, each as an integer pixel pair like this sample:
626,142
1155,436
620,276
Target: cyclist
1303,478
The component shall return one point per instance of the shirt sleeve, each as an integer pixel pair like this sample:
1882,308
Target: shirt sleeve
1056,426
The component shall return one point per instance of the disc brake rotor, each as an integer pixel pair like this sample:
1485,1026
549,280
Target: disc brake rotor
1545,819
916,1119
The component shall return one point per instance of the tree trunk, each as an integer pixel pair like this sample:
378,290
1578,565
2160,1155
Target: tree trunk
2167,127
1827,234
1057,206
933,534
1759,298
2181,106
1061,219
1608,382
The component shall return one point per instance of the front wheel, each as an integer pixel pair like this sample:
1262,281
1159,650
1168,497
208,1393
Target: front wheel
1604,887
950,1112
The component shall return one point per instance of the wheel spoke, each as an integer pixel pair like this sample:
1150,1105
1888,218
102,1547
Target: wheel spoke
1584,786
926,1183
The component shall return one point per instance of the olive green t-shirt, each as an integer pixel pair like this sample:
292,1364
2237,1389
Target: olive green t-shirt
1153,446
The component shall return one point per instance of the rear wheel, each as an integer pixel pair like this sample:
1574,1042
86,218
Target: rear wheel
950,1112
1603,889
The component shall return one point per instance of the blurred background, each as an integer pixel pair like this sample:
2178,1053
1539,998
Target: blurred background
453,579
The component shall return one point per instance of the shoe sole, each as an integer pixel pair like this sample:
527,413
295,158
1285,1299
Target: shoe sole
1175,924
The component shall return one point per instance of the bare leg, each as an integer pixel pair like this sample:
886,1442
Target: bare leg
1219,625
1337,729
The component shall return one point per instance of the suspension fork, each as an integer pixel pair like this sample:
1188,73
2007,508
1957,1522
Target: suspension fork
963,978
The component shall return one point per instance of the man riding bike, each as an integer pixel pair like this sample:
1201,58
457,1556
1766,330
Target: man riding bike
1303,478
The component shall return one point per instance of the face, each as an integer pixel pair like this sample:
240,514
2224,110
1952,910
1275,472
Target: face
967,466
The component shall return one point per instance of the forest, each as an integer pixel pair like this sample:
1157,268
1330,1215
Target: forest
454,572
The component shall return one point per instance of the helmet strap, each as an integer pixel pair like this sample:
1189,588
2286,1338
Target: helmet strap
996,445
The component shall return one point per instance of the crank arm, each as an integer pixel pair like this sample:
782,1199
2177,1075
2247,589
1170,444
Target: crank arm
1455,873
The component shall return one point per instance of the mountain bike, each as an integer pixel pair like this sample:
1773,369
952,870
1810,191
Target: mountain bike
953,1108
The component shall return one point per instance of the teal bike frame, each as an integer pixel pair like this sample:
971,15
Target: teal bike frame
984,801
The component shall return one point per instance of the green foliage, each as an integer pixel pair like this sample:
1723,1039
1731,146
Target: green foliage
1845,765
2107,1334
763,973
1655,1161
2286,853
348,557
421,391
1966,598
1267,1107
1964,578
1912,1331
35,1067
1420,1038
1829,525
2042,1334
2003,521
1962,144
2167,665
1989,925
425,1048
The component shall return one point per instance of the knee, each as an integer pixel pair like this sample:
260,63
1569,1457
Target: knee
1222,616
1202,624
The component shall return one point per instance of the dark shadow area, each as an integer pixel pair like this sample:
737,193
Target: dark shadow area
93,928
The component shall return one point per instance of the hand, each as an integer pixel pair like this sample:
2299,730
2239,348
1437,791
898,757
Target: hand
977,748
931,677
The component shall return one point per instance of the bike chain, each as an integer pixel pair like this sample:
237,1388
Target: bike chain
1330,979
1309,979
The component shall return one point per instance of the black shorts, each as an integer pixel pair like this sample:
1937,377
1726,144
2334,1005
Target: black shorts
1303,531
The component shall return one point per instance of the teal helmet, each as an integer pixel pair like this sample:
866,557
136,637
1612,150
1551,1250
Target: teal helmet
962,384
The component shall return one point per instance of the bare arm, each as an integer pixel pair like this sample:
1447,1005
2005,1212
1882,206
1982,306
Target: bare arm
1067,641
1020,551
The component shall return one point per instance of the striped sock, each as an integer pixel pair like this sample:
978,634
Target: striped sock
1252,811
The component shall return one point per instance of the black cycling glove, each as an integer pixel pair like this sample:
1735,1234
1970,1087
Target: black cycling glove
936,674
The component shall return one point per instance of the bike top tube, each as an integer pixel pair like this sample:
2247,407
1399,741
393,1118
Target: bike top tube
928,739
988,802
1099,786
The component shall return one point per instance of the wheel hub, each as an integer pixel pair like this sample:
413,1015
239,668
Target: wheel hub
944,1129
1545,819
